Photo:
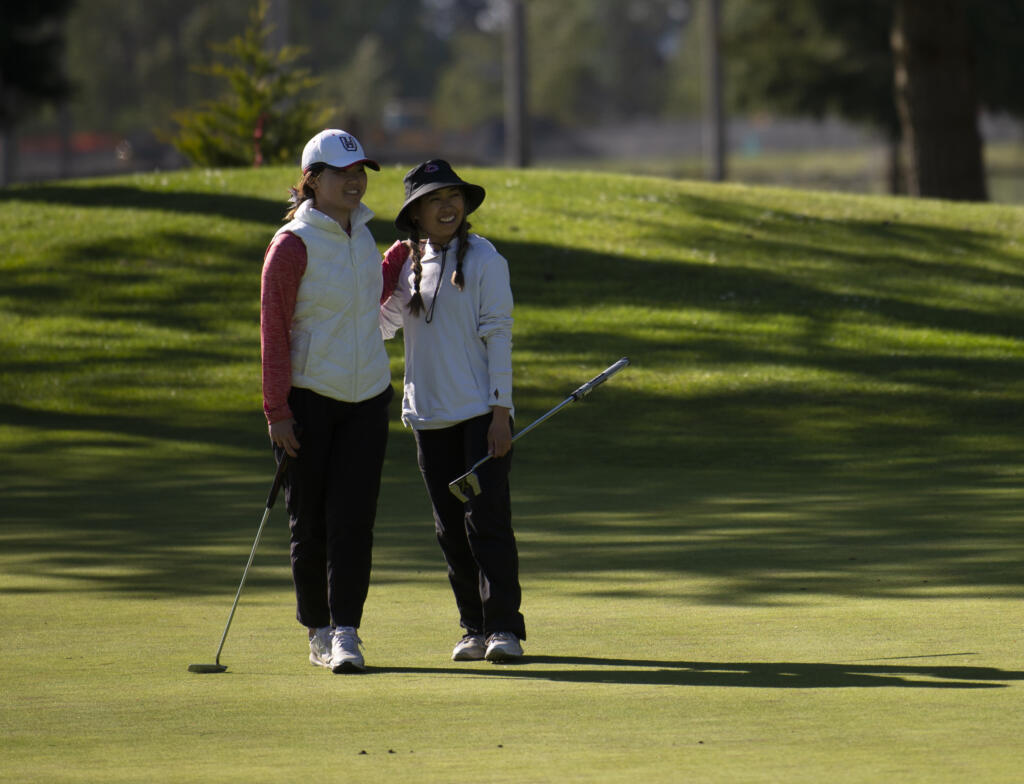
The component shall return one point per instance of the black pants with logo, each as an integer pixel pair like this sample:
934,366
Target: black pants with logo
331,492
476,538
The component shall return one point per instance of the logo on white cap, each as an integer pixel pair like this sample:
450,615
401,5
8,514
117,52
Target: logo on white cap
337,148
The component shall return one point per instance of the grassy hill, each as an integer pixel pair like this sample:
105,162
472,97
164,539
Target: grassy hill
806,488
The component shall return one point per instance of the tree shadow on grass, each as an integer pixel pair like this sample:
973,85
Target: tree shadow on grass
227,205
771,488
751,675
230,206
714,515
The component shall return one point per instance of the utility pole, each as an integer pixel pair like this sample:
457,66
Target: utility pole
517,133
714,123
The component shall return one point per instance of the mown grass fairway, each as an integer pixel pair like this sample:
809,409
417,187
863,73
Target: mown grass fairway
784,546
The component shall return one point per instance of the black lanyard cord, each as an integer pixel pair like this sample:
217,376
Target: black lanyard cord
437,287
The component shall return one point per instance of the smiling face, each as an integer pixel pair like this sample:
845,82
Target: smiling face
439,214
339,191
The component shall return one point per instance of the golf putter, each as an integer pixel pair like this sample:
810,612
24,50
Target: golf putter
271,497
467,486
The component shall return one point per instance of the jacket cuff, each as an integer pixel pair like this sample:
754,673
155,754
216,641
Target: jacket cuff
278,414
501,390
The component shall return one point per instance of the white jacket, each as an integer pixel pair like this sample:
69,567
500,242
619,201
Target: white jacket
460,364
336,346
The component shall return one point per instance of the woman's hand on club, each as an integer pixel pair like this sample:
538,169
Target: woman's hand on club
499,434
282,434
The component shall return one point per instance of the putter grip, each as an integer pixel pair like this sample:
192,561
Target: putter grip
587,388
278,480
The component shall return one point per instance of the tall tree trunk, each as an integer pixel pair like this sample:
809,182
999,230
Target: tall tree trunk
937,99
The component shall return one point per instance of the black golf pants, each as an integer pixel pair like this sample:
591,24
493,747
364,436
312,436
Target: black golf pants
476,538
331,491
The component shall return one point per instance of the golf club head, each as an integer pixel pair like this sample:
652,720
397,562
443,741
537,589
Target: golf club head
466,487
207,667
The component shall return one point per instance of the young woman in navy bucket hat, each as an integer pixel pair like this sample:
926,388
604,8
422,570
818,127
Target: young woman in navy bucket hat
326,389
448,290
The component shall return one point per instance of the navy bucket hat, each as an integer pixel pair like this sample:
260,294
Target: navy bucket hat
431,176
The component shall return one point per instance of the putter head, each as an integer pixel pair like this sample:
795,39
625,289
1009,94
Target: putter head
207,667
466,487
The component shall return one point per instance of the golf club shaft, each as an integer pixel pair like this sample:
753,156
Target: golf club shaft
599,379
579,394
271,497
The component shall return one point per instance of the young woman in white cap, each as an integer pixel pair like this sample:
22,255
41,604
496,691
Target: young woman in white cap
326,389
452,298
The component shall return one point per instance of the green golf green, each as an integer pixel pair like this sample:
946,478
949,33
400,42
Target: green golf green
783,545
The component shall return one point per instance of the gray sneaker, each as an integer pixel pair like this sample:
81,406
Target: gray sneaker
503,646
320,647
345,655
472,647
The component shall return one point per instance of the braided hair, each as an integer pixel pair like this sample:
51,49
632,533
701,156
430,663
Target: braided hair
416,244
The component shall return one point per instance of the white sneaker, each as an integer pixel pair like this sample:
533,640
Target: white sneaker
503,646
345,655
320,647
470,648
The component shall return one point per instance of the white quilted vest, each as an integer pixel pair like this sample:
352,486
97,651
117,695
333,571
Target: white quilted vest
336,346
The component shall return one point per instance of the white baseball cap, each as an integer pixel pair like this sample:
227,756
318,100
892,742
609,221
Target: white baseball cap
336,148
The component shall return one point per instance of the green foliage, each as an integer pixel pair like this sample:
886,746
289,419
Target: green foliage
813,57
819,57
605,59
264,117
360,90
134,64
588,59
998,32
470,89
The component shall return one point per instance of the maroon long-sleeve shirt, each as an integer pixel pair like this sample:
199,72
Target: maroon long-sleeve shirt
283,267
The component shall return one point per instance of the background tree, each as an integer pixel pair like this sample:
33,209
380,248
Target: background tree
816,58
937,98
821,57
587,58
590,61
369,55
469,89
265,117
685,50
136,63
604,60
997,30
31,66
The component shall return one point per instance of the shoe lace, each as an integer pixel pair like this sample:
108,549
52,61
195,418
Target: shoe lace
348,638
501,637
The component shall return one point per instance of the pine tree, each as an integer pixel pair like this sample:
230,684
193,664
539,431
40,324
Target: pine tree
264,116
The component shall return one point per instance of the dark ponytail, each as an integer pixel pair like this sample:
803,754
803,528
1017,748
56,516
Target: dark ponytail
303,189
